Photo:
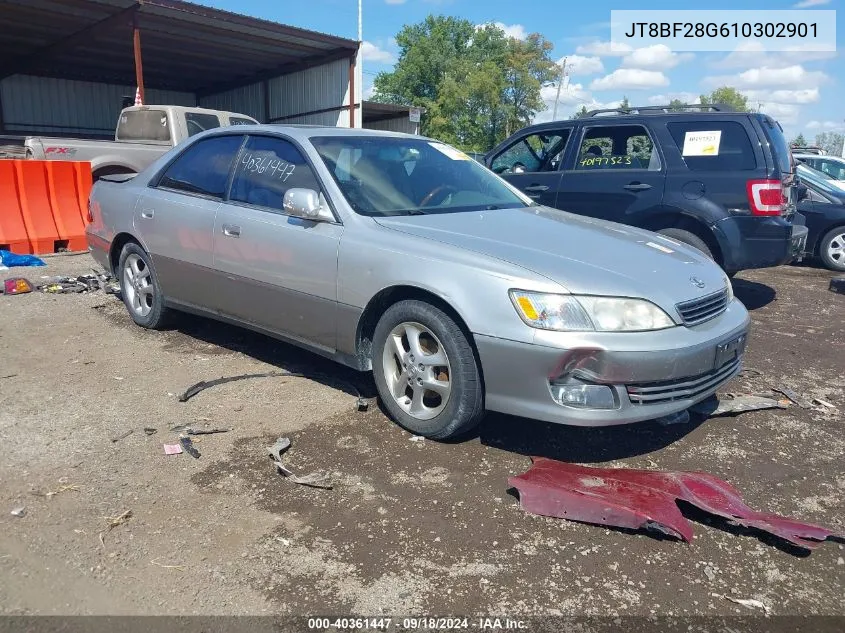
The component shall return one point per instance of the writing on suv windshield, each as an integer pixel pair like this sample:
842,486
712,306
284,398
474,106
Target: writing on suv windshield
389,176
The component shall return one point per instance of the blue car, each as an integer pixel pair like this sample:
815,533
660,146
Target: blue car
823,208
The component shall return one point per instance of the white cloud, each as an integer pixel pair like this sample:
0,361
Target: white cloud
825,125
372,53
630,79
805,4
604,49
664,99
395,1
792,77
657,57
516,31
808,95
751,54
784,113
581,65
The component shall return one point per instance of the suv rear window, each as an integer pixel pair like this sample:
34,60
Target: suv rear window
143,125
732,152
780,148
200,122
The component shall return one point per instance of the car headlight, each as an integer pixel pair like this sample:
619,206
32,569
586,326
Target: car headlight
571,313
730,287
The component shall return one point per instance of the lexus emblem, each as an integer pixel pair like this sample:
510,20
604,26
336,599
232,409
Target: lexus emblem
695,281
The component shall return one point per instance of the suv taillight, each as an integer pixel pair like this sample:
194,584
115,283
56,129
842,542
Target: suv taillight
766,197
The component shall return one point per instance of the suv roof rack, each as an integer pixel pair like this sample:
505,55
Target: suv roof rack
663,109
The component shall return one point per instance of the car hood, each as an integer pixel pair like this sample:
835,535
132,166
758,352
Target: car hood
584,255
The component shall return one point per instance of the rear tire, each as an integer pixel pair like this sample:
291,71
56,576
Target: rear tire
832,249
691,239
415,346
140,289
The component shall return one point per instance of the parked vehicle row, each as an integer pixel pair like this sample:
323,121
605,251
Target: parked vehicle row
401,255
142,134
824,211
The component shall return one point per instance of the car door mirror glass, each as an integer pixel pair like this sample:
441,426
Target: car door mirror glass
307,204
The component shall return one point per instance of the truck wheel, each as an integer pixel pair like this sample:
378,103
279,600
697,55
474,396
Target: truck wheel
832,249
426,372
680,235
140,289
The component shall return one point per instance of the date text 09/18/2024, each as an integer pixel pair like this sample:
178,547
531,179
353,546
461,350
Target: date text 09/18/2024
421,623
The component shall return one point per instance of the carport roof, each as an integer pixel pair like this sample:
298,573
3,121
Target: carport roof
185,46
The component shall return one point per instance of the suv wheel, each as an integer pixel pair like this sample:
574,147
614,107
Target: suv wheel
680,235
832,249
425,371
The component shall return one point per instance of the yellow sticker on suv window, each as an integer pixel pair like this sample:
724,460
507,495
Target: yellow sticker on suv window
451,152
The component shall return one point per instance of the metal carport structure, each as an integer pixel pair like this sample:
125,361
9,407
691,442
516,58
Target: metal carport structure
65,65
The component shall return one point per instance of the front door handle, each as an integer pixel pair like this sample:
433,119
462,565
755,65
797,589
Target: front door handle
536,188
637,186
230,230
147,214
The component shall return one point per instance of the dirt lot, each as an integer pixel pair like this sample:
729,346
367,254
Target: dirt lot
410,527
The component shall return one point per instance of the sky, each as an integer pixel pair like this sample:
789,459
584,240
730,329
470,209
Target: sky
804,91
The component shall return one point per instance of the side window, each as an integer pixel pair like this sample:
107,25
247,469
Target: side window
237,120
833,168
713,145
536,152
203,168
199,122
617,147
266,169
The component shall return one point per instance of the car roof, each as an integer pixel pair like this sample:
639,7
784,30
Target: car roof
839,159
633,118
305,132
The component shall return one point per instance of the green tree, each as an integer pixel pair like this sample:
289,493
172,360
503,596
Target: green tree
727,96
477,85
676,105
581,113
798,141
831,142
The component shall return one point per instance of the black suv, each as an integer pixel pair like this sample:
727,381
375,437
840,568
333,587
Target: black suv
720,180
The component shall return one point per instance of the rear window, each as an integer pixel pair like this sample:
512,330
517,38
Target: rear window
236,120
780,148
713,145
143,125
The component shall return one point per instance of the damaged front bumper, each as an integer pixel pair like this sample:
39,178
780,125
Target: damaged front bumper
612,378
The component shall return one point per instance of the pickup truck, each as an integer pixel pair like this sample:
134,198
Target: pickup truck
143,134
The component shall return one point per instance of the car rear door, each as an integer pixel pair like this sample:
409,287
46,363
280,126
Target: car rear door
174,218
615,173
279,272
531,162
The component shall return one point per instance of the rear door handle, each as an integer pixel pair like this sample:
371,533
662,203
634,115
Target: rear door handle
230,230
147,213
536,188
637,186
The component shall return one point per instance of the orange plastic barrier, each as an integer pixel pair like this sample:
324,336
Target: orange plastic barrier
43,205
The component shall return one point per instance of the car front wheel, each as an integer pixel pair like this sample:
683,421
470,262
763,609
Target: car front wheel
832,249
426,372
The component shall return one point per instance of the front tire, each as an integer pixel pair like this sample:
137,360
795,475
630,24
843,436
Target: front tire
426,372
691,239
140,289
832,249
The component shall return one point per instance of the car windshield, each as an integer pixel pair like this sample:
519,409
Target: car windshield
388,176
819,180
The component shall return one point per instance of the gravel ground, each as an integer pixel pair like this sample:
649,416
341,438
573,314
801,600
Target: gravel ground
410,527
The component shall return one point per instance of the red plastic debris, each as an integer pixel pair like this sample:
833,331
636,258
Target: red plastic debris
635,499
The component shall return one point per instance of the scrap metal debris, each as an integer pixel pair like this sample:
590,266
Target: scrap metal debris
117,438
188,446
823,403
748,603
361,404
189,430
19,512
315,480
150,430
730,404
82,283
794,397
837,285
637,499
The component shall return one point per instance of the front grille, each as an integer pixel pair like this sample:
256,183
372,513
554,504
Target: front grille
684,388
704,308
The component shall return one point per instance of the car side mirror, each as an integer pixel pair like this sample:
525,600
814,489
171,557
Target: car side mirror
802,192
306,204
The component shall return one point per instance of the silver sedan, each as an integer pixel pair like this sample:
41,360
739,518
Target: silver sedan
399,255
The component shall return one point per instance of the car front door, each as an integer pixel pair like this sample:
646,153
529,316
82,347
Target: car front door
531,163
615,173
174,218
279,271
